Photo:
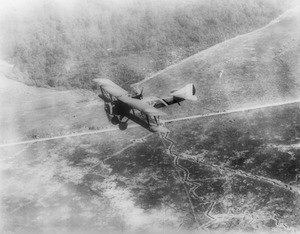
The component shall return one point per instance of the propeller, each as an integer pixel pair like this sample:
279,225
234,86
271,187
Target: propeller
140,95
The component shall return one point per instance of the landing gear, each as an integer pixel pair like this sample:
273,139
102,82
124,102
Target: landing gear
115,120
123,125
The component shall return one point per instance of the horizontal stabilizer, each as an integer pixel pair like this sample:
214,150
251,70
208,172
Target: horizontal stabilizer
186,93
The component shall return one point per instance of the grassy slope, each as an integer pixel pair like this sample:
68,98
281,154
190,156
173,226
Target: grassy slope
255,68
31,112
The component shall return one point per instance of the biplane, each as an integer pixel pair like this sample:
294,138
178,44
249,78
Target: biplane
121,106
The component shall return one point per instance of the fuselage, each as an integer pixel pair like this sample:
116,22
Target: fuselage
118,111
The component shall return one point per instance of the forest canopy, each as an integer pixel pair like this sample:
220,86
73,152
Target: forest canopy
69,43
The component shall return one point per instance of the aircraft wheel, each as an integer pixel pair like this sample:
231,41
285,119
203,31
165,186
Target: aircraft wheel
115,120
123,125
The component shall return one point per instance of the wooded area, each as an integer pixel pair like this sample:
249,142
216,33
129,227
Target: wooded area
68,45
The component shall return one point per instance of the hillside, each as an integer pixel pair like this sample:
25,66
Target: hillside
61,45
256,68
29,112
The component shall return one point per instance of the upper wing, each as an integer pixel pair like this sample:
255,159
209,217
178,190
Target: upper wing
111,87
141,106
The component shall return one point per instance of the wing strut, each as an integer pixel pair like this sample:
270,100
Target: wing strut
155,118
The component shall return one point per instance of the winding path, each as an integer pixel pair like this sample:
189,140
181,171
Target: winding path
241,173
223,170
179,168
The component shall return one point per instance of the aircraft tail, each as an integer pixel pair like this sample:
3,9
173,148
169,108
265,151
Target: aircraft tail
186,93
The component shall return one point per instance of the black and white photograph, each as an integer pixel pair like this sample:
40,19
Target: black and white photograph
149,116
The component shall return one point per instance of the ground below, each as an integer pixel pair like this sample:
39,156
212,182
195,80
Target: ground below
234,170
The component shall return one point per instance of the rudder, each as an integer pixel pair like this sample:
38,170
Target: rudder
187,92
